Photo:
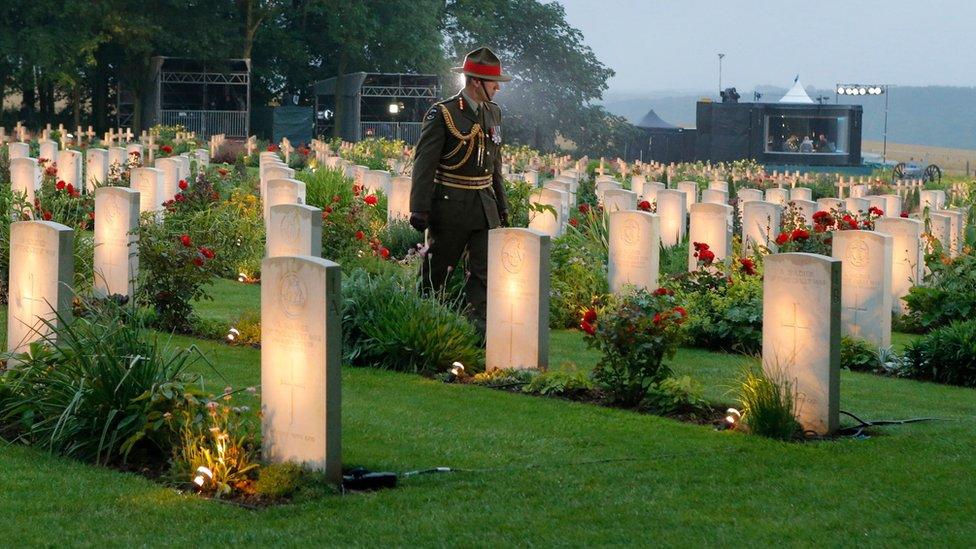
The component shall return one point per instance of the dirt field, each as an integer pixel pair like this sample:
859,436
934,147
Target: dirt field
952,161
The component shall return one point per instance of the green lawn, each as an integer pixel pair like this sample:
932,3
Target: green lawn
547,471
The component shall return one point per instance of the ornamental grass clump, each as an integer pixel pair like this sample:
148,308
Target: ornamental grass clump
99,389
768,405
388,324
635,332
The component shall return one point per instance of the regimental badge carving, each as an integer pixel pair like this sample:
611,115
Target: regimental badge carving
632,232
112,212
858,253
292,294
513,254
291,227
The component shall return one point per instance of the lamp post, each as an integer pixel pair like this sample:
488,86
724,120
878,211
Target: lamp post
720,56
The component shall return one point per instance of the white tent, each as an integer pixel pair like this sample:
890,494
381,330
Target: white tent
796,94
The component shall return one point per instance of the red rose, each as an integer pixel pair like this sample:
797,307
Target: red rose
706,256
359,235
207,252
904,214
865,224
272,148
70,188
371,200
584,208
180,197
46,216
644,205
657,319
182,184
166,149
328,209
384,253
876,211
51,171
748,266
185,240
574,222
356,189
799,234
59,186
336,198
682,313
587,327
223,172
663,291
783,238
589,316
699,246
821,217
136,154
198,261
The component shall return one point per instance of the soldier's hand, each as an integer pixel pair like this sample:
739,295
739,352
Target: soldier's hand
503,215
419,221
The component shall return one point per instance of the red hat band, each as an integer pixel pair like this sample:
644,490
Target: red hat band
478,68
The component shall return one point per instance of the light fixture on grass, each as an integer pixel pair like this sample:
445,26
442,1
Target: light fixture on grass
233,334
732,418
203,476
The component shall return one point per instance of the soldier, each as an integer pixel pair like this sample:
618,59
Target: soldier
458,193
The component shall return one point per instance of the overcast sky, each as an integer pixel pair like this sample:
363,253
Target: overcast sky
656,45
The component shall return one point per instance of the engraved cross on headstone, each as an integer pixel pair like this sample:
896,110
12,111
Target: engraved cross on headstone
292,384
858,307
512,321
29,301
794,326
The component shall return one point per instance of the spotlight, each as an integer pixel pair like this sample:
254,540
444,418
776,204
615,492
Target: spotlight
457,369
862,91
841,90
732,417
204,474
233,334
394,108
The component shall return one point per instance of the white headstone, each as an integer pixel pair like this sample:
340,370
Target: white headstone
634,249
749,195
807,208
933,200
116,241
940,225
801,334
25,177
398,203
170,169
18,150
518,299
69,168
274,171
301,353
957,221
117,155
719,186
618,200
907,260
672,210
650,190
690,188
96,172
778,196
49,150
294,229
858,191
892,205
866,297
39,282
282,191
134,148
856,205
801,193
548,222
709,225
377,180
760,224
714,196
149,183
827,204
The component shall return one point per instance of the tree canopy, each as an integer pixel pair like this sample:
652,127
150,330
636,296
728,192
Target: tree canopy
66,60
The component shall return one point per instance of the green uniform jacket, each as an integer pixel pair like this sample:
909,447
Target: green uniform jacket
452,159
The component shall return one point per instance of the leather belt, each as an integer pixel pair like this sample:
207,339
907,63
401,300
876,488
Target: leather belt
462,181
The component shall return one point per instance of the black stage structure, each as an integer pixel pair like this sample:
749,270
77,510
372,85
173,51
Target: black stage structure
663,142
779,133
376,105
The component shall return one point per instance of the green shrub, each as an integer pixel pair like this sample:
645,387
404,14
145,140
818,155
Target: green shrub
674,259
174,271
351,227
99,390
387,324
635,332
279,480
517,195
945,295
858,355
579,273
768,405
504,377
946,355
567,382
676,395
400,238
724,306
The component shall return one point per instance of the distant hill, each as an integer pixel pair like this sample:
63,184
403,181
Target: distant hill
938,116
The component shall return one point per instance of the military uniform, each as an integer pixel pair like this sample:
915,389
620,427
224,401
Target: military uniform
458,184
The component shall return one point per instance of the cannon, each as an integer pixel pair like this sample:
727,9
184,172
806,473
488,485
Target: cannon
916,170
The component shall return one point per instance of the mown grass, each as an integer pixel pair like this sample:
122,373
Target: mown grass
547,471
